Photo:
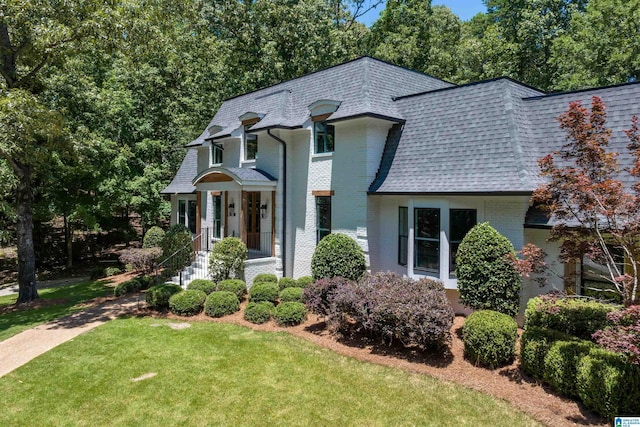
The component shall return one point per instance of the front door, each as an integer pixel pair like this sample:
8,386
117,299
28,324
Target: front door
253,220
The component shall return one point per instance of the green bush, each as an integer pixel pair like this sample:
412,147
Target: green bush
178,238
291,294
153,237
338,255
304,281
236,286
130,286
221,303
112,271
574,316
287,282
490,338
487,278
290,313
560,364
207,286
258,312
265,277
534,345
187,303
158,296
227,259
266,291
146,281
607,384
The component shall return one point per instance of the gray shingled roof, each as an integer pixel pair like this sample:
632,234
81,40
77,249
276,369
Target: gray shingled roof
181,183
363,86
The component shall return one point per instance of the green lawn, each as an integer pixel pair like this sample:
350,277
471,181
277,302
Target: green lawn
222,374
73,295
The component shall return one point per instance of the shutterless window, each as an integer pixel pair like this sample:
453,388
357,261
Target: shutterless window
251,144
403,235
460,222
216,154
182,212
427,239
324,137
323,217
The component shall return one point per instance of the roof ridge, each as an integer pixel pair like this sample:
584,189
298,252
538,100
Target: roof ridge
569,92
492,80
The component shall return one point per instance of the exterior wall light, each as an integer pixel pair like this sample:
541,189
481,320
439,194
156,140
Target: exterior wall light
232,209
263,211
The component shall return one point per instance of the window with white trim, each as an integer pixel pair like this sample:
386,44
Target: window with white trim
187,214
324,137
250,144
323,217
216,154
460,222
403,235
427,239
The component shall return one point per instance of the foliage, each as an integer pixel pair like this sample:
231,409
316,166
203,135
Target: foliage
265,277
490,338
304,281
158,296
291,294
227,259
534,345
146,281
207,286
258,312
188,302
338,255
287,282
221,303
290,313
624,335
153,237
127,287
595,213
560,364
176,238
143,260
266,291
320,295
236,286
577,317
112,271
487,278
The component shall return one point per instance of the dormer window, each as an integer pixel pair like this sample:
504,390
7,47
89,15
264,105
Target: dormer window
324,137
216,154
250,144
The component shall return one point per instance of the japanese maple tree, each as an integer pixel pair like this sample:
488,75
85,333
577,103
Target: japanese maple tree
594,202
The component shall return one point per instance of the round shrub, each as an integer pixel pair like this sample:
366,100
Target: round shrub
153,237
490,338
560,364
127,287
207,286
287,282
221,303
227,259
266,291
146,281
290,313
291,294
487,278
258,312
112,271
236,286
304,281
338,255
158,295
265,277
187,303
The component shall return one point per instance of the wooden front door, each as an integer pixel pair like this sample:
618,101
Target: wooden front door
252,218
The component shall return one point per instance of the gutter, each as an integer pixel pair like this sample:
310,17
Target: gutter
284,199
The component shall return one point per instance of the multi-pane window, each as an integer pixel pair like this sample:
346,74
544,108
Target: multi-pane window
182,212
323,217
324,135
216,154
427,239
403,235
250,144
187,214
460,222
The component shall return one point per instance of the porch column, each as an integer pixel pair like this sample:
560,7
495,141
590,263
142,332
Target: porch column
198,218
243,212
226,213
273,223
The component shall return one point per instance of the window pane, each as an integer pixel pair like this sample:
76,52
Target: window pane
323,217
427,239
428,223
216,154
192,216
330,136
324,135
460,222
251,144
427,255
403,235
182,212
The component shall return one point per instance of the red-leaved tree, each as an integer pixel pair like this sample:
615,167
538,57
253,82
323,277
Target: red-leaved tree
595,213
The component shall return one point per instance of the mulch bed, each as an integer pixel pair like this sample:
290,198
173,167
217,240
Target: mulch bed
507,383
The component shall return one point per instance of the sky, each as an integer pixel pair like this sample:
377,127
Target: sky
465,9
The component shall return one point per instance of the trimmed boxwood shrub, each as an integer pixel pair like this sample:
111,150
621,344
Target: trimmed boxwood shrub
534,345
607,384
338,255
221,303
112,271
266,291
187,303
574,316
146,281
490,338
560,364
287,282
290,313
153,237
207,286
487,278
265,277
291,294
227,259
304,281
236,286
158,295
130,286
258,312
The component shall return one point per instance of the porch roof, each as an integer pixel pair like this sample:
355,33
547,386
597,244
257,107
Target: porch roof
241,176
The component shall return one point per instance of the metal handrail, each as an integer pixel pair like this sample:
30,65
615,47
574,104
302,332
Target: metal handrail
173,257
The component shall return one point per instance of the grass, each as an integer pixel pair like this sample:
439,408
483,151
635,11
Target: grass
222,374
73,296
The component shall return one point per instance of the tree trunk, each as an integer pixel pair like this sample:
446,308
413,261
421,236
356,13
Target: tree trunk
27,290
68,239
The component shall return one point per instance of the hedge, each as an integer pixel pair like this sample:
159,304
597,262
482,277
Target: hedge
490,338
158,296
290,313
221,303
258,312
187,303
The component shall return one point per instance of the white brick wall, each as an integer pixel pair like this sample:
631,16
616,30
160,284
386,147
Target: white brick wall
253,267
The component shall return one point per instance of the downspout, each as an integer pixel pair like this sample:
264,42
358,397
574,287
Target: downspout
284,200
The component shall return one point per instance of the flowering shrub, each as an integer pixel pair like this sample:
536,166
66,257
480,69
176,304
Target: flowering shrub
141,259
624,336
